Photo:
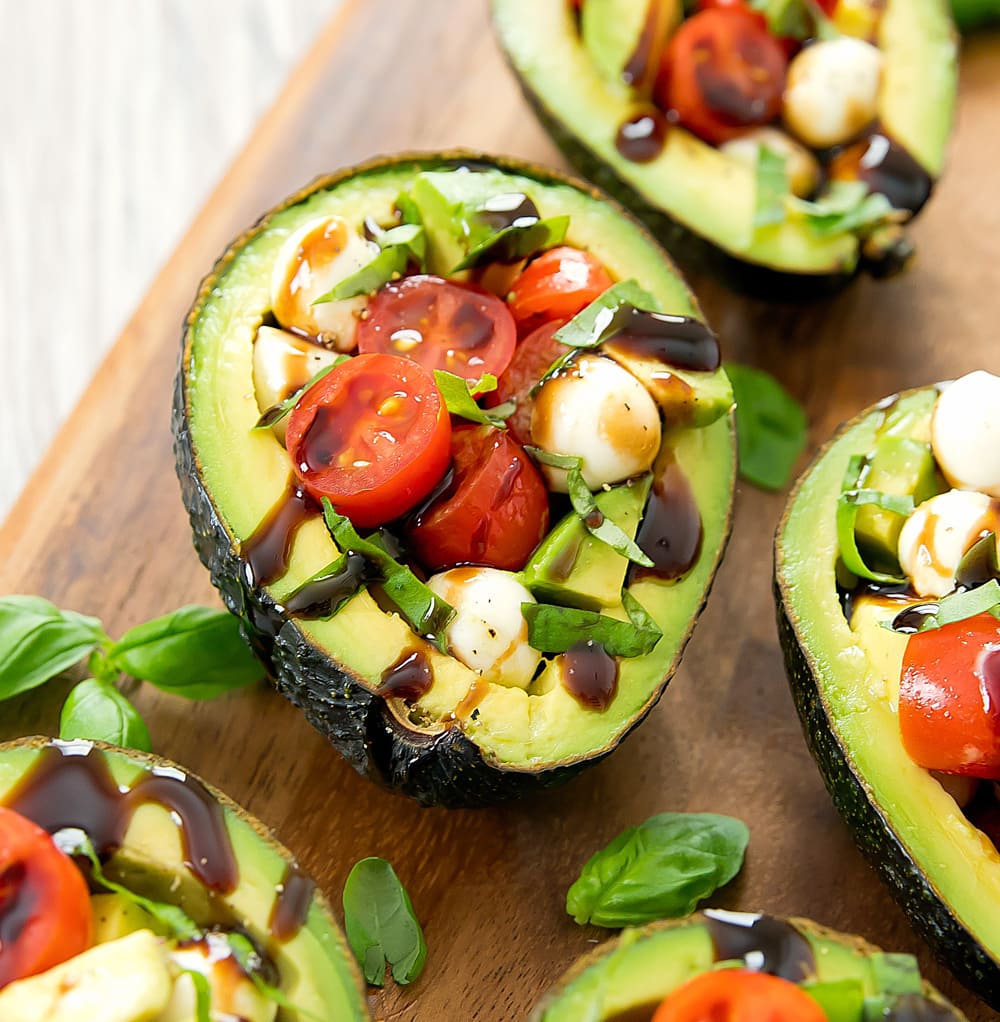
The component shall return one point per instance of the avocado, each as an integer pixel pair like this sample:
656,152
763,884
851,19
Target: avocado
574,568
698,201
129,804
852,980
460,742
614,30
844,677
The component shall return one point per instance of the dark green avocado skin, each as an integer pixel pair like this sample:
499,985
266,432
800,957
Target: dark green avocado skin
924,906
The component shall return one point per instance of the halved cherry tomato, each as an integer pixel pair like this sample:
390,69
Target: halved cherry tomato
45,914
441,325
373,435
557,285
722,73
533,356
495,512
949,698
738,995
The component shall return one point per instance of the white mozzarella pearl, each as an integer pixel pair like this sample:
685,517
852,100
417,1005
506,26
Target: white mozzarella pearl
488,632
800,164
965,433
311,262
938,534
597,411
832,91
233,992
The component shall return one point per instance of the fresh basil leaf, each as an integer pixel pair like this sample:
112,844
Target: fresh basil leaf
460,398
598,524
381,926
567,462
250,962
202,994
795,19
277,412
851,499
771,427
399,246
980,563
554,629
39,641
409,211
425,612
772,188
605,316
175,922
97,711
846,207
516,242
658,870
961,606
195,652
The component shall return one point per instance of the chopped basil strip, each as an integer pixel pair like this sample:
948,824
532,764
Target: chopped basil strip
381,925
851,498
409,211
605,316
771,427
460,398
960,606
658,870
846,207
553,460
772,188
518,241
400,245
250,962
426,613
202,994
980,563
277,412
556,629
796,19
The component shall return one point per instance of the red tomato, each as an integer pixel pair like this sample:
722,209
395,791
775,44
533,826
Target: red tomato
495,512
557,285
949,698
533,356
738,995
44,903
441,325
722,73
373,435
828,6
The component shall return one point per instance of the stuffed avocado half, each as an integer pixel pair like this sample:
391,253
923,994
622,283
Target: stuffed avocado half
477,630
886,581
740,965
781,146
154,891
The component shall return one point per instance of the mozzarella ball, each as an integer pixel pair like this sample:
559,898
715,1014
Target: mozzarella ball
488,632
938,534
832,91
598,411
311,262
233,992
800,164
965,433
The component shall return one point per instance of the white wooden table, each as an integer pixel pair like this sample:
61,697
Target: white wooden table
116,118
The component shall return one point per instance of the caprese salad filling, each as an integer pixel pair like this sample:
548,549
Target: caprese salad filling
788,87
918,526
468,435
85,934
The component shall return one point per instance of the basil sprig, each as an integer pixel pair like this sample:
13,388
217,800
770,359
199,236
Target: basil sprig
658,870
771,427
196,652
422,609
592,517
852,498
381,925
277,412
460,398
399,247
554,629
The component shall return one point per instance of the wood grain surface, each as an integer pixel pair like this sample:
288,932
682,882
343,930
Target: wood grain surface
100,528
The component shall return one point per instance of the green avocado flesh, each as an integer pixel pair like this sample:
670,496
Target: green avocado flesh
317,972
845,679
629,977
246,472
696,185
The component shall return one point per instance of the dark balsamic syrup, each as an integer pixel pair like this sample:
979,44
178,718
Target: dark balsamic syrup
886,167
638,67
321,597
590,675
641,138
911,619
764,943
409,677
677,341
671,533
511,209
267,549
291,906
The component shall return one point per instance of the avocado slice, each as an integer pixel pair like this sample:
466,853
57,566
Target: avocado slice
626,978
460,742
844,680
698,201
150,855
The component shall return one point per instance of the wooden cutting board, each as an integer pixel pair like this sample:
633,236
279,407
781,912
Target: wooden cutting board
100,528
